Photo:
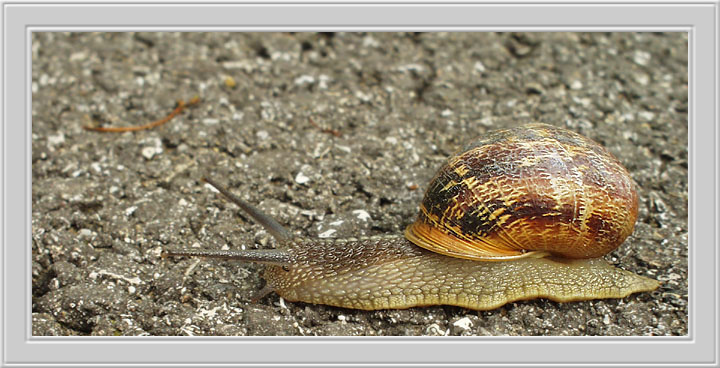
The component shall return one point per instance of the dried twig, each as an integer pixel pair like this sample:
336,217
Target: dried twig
181,105
324,130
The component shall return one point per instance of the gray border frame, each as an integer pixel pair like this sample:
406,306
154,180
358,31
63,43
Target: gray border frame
699,18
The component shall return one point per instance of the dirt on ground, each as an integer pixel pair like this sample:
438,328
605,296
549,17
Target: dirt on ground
332,134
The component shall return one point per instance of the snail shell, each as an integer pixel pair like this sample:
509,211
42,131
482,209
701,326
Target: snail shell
527,191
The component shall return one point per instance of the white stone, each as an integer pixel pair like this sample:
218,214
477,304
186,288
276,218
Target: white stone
150,152
369,41
300,178
343,148
54,140
324,79
646,115
262,135
362,215
411,67
304,79
364,97
130,210
247,66
641,57
327,233
642,78
465,323
78,56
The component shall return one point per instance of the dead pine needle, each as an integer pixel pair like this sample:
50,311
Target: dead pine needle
181,105
324,130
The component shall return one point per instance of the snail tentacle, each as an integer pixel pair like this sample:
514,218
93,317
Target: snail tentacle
279,232
275,257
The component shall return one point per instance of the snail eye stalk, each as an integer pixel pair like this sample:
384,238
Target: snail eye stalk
270,224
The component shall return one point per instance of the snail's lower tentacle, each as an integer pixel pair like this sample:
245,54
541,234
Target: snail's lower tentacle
267,289
274,257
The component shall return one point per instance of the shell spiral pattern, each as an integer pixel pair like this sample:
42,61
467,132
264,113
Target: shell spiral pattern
534,191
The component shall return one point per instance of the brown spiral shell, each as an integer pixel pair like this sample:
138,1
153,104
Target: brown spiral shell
528,191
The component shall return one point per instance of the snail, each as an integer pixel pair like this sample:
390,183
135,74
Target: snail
516,214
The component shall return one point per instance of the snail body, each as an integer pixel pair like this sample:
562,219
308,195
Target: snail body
389,272
517,214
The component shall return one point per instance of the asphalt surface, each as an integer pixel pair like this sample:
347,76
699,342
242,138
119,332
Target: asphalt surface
333,135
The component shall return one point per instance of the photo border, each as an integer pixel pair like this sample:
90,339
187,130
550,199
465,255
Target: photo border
699,19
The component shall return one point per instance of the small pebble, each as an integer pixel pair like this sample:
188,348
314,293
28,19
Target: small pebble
327,233
641,57
230,82
262,135
463,323
153,148
362,215
78,56
150,152
324,79
369,41
646,115
304,79
130,210
300,178
54,140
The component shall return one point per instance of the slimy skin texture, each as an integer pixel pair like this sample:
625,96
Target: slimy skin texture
389,272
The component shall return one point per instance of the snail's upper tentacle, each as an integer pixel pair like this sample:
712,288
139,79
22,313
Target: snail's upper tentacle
270,224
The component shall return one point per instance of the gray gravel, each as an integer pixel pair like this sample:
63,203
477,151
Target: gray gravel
105,205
